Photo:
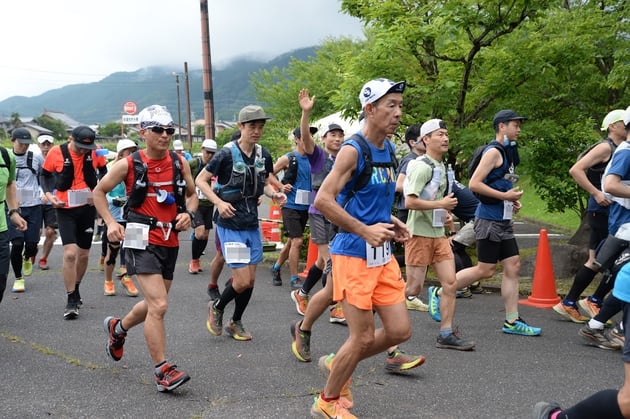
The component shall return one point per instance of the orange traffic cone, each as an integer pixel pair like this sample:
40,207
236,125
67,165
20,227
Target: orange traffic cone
544,294
311,257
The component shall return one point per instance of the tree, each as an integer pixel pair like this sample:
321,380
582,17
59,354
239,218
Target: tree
58,128
111,129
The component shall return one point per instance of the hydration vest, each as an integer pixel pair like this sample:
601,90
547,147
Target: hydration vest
66,176
242,184
141,183
318,178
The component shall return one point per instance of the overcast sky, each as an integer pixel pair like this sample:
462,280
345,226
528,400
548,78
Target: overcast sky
49,44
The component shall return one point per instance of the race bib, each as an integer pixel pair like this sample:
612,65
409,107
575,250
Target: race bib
25,195
378,256
508,210
136,236
439,217
236,252
79,197
200,194
302,197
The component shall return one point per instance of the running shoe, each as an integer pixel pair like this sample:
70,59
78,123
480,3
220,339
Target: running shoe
589,307
43,264
27,267
115,341
169,378
333,409
617,335
194,267
569,312
296,284
463,293
325,365
127,283
453,341
599,338
416,304
336,315
301,345
237,331
18,285
215,320
109,288
399,361
519,327
276,279
543,410
213,293
72,306
300,301
434,304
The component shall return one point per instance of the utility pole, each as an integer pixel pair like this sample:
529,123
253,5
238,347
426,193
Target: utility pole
188,105
208,99
179,108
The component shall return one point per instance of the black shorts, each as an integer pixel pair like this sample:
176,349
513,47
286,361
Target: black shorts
203,217
50,216
76,225
294,222
599,228
153,260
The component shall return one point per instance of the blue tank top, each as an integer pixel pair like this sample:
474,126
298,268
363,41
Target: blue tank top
370,205
302,182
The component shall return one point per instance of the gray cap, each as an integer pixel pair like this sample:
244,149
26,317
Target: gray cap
252,113
22,135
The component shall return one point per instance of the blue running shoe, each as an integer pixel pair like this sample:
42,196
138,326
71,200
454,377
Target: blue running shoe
519,327
434,304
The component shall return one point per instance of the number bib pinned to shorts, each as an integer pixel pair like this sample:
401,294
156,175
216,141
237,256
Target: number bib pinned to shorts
378,256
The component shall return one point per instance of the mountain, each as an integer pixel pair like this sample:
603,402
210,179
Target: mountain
102,101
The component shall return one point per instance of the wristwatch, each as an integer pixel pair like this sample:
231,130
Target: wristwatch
13,211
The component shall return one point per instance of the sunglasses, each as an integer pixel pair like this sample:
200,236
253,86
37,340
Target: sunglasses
160,130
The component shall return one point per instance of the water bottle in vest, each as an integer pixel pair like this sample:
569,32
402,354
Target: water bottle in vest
430,190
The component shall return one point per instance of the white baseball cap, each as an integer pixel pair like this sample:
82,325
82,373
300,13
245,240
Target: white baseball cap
612,117
626,118
209,144
155,115
124,144
430,126
377,88
178,145
46,138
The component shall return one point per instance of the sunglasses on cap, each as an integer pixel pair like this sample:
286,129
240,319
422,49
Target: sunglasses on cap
160,130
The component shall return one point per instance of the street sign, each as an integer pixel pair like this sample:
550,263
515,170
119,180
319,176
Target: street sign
130,119
130,108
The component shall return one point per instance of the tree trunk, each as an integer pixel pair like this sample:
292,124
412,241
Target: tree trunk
581,236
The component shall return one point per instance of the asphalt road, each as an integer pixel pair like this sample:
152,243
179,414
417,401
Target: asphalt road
58,369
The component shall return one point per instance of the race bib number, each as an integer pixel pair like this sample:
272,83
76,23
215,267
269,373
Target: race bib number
236,252
79,197
378,256
439,217
136,236
25,195
200,194
508,210
302,197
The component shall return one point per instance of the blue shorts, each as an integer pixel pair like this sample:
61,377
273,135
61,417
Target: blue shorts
251,238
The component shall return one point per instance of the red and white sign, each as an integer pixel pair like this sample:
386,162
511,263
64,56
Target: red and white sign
130,108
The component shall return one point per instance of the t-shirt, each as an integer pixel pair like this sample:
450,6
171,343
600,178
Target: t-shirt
363,205
402,170
196,166
117,192
419,173
54,164
246,217
318,164
7,175
27,180
620,166
621,289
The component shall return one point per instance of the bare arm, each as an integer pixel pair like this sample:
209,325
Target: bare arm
614,186
597,155
184,220
490,160
306,104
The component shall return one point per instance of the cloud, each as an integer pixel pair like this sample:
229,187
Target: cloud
53,44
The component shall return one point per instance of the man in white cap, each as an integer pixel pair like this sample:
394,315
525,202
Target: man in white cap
242,169
178,146
46,141
203,217
161,201
587,173
117,198
68,176
366,277
24,243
